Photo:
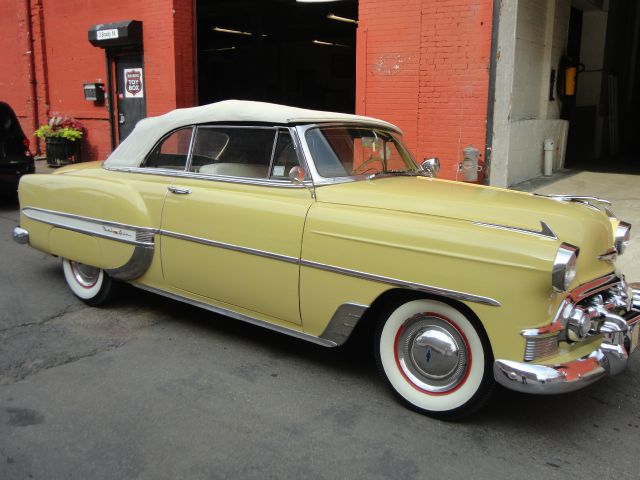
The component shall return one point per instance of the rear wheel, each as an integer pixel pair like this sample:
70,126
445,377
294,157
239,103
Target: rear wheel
434,358
90,284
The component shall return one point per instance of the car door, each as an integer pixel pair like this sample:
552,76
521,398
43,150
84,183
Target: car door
232,225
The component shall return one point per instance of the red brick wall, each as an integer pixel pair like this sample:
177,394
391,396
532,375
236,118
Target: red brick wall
424,65
64,59
15,74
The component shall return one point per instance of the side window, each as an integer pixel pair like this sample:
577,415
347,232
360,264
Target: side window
284,157
172,152
234,152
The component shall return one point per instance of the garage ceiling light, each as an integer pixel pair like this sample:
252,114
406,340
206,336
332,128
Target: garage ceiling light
330,44
331,16
228,30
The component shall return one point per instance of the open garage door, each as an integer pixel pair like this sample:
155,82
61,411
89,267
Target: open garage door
604,111
299,53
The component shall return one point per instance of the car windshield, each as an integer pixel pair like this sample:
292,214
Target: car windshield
351,151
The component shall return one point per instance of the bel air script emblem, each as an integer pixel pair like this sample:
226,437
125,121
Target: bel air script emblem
118,232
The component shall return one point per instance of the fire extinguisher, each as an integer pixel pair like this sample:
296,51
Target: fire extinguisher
567,84
568,71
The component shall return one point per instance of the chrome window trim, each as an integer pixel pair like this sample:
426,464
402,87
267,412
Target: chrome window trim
319,180
211,177
187,165
545,230
159,142
266,182
274,144
404,284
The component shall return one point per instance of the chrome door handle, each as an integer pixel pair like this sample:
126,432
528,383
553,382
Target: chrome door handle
178,190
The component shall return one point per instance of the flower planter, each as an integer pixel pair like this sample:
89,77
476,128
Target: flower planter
61,151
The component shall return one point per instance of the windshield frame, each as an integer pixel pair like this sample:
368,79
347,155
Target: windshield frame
318,179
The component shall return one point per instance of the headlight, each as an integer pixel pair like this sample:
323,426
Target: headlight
564,267
623,235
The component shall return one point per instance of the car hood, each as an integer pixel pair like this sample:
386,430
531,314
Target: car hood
573,223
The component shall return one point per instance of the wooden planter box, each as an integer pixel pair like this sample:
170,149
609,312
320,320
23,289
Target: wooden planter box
61,151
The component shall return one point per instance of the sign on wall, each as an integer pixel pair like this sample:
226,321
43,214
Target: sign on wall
133,84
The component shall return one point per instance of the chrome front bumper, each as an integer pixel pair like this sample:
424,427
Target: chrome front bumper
609,359
20,235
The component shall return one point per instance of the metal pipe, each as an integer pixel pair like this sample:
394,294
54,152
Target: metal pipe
110,99
491,98
32,71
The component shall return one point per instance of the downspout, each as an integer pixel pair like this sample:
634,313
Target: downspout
491,97
32,72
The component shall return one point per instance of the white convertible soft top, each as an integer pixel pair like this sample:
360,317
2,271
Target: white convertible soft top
149,130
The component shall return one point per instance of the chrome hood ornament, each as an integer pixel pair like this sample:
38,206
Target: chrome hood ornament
545,230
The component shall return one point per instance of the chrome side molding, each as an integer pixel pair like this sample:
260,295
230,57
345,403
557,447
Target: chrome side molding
144,237
334,335
462,296
119,232
141,237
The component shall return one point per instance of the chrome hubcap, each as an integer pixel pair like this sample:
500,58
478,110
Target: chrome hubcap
432,353
85,275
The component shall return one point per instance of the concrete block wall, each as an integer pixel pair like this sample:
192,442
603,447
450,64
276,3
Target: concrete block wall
424,65
526,152
64,59
533,36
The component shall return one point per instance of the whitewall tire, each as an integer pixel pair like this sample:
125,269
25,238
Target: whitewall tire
90,284
434,358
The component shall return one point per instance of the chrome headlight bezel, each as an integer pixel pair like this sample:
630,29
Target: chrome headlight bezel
622,237
564,267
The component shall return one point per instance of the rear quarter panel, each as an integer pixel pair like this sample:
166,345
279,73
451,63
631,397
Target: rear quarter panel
90,191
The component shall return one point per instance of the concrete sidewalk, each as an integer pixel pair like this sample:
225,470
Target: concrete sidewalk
622,190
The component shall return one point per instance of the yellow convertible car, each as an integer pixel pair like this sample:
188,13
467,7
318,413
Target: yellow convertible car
321,226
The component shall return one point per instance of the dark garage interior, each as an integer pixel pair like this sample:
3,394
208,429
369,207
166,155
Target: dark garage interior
292,52
603,132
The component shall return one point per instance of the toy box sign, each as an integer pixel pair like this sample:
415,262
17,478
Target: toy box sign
133,83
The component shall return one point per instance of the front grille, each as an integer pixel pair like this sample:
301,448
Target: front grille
538,347
597,298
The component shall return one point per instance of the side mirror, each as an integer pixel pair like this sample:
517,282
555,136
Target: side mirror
431,166
296,175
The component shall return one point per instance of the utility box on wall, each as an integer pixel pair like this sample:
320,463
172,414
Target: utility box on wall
94,92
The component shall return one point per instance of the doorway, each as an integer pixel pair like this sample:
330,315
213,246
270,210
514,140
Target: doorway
131,104
281,51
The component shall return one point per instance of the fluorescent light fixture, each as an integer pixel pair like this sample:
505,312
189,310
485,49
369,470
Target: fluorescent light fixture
329,44
223,49
229,30
331,16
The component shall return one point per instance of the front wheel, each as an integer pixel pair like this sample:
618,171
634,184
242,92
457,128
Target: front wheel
90,284
434,358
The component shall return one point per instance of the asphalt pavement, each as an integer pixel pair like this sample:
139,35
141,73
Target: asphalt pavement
150,388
